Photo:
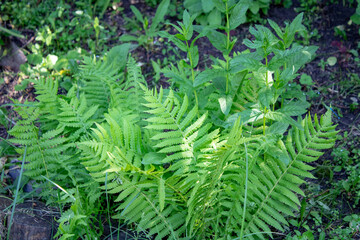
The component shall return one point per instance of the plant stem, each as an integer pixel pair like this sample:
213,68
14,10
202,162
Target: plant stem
17,193
246,190
227,48
191,61
267,85
192,71
264,121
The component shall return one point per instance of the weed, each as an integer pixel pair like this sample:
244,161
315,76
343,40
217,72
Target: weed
149,30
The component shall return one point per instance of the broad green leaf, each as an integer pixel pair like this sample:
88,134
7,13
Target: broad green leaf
247,61
298,60
194,55
118,55
237,81
137,14
331,61
355,18
34,59
214,17
294,108
294,27
180,36
254,7
194,6
207,5
265,96
281,117
278,153
160,14
217,39
253,45
153,158
306,79
284,57
128,38
206,76
219,4
174,39
246,116
186,19
161,194
225,104
276,28
220,83
277,128
238,15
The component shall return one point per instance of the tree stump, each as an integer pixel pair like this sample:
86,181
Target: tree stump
4,203
32,221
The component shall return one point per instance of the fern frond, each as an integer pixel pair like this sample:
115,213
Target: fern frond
25,131
273,184
246,95
179,130
117,151
47,95
95,151
98,79
76,116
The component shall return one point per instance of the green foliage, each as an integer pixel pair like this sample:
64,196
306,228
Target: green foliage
231,84
352,223
356,17
212,12
219,156
61,30
150,31
196,189
52,128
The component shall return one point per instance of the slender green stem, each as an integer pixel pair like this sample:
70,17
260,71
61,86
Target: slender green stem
264,121
107,204
246,190
191,61
267,85
16,193
266,76
227,77
227,48
227,27
192,71
196,98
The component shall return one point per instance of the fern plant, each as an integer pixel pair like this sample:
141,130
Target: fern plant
177,165
51,130
192,182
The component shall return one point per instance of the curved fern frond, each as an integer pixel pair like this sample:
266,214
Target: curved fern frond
44,152
115,155
273,183
180,133
76,116
47,95
98,79
106,137
220,181
141,203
